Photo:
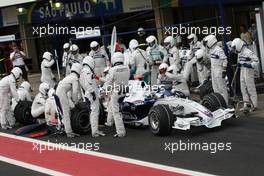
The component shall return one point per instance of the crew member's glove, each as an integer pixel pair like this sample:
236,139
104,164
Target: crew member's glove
94,97
224,74
247,65
54,79
238,65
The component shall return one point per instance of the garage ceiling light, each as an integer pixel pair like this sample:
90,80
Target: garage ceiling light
21,10
57,5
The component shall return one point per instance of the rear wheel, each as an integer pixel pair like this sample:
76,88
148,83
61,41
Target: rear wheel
214,101
160,120
80,118
22,113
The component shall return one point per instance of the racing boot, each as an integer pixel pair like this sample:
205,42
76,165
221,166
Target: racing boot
246,109
98,134
72,135
119,135
9,127
4,127
108,124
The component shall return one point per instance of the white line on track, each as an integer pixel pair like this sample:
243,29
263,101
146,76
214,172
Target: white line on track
112,157
32,167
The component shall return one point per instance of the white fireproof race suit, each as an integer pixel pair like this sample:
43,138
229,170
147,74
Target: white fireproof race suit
141,63
156,55
173,57
117,80
189,69
46,72
23,95
218,67
38,105
248,61
7,90
88,84
101,60
69,85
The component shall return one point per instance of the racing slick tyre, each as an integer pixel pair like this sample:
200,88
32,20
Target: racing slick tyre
22,113
214,101
220,99
80,118
160,120
206,88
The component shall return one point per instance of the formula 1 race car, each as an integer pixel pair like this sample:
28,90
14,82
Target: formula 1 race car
161,109
163,112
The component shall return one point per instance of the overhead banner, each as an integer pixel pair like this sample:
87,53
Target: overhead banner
136,5
72,9
43,12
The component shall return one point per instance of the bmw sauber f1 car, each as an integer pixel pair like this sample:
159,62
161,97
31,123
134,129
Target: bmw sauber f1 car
143,106
161,109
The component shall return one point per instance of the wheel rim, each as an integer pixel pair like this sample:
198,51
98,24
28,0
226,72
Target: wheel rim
154,121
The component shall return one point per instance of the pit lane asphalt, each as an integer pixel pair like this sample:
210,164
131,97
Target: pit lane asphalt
12,170
245,134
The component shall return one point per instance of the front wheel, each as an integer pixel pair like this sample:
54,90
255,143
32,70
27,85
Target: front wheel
214,101
206,88
160,120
